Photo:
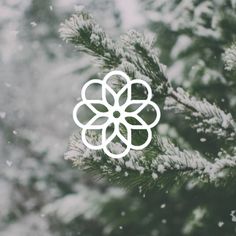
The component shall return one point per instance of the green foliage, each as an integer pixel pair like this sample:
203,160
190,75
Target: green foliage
189,183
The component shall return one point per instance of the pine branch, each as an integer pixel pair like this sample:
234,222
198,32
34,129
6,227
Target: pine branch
229,58
145,58
68,207
211,119
154,166
134,53
207,117
199,18
87,35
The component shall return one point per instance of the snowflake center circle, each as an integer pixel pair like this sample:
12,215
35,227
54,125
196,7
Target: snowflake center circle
116,114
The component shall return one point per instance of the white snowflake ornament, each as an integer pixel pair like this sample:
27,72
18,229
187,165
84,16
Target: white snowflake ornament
116,115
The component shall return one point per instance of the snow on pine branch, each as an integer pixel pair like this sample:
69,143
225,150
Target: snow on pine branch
201,18
86,203
135,55
165,159
229,58
209,119
88,36
193,160
82,30
140,52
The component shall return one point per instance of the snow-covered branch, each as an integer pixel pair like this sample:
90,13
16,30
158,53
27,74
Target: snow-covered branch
135,55
207,117
82,30
229,58
165,159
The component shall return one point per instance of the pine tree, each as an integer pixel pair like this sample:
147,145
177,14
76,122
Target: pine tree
187,174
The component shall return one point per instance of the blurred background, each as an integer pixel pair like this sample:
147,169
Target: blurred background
40,82
41,79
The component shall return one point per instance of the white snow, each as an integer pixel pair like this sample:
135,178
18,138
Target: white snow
118,169
163,221
33,24
154,176
163,205
2,114
233,215
220,223
9,163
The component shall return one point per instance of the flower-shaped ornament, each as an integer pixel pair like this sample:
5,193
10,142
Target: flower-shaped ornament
120,110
